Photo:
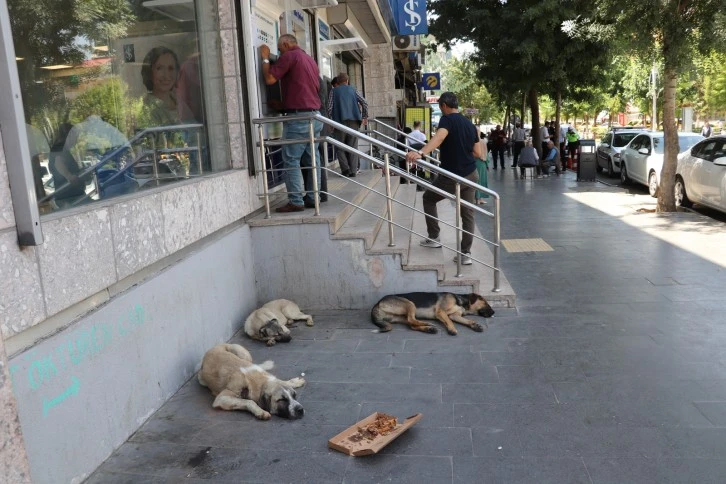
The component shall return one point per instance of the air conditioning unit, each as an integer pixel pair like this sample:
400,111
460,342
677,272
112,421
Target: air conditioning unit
406,43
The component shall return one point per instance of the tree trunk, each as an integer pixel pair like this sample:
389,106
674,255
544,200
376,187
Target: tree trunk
666,195
524,106
534,107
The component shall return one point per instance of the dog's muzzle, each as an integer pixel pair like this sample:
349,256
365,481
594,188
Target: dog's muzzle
486,312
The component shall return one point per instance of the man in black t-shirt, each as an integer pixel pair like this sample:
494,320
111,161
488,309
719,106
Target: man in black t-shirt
459,149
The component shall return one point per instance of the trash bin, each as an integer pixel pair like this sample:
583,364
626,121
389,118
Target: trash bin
587,165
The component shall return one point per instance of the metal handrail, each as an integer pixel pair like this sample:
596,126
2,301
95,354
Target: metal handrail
387,169
395,130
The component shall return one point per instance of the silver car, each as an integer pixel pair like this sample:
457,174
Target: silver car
701,174
610,147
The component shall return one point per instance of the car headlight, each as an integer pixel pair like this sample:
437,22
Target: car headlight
616,156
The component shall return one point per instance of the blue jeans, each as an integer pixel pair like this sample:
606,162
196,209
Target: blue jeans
298,155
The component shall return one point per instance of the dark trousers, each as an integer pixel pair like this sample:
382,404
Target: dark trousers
430,199
518,146
498,152
348,160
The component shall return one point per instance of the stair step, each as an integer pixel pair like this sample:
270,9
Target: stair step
364,225
402,215
334,212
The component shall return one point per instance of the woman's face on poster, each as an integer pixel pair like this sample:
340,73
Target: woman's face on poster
163,73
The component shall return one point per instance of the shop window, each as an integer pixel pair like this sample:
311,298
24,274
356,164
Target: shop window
114,95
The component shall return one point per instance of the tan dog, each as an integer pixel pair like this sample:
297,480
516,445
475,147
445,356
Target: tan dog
270,323
227,370
443,306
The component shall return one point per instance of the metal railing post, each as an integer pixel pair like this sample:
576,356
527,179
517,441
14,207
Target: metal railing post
265,189
156,165
497,244
458,230
199,151
389,199
314,158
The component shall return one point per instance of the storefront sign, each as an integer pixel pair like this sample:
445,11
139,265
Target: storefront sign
324,30
410,16
431,81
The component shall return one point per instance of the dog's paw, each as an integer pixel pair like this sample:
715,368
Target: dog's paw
264,415
478,327
430,330
452,332
309,322
267,365
297,382
271,342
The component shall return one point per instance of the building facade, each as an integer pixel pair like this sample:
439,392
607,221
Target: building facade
128,169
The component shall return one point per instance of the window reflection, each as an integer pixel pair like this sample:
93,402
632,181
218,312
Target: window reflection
113,96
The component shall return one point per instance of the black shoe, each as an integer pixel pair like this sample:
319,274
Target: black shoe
323,199
350,175
345,173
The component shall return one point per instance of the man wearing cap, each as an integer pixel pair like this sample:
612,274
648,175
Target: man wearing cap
299,78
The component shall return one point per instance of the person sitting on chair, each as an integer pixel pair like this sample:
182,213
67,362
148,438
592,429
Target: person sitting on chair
528,158
552,157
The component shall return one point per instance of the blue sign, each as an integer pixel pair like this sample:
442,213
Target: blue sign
410,16
431,81
324,30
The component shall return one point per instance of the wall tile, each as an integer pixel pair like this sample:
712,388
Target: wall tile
182,217
138,234
77,258
21,297
7,217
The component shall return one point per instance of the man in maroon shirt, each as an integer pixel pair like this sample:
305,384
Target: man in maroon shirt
299,78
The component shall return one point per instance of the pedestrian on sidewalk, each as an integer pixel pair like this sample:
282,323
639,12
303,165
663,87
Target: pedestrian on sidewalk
518,137
348,107
552,157
459,149
482,166
499,137
573,145
528,158
544,133
300,85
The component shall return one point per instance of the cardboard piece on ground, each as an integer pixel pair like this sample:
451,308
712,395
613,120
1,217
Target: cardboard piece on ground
344,444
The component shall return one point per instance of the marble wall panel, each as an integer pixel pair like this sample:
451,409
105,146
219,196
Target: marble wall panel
182,213
21,296
77,258
138,234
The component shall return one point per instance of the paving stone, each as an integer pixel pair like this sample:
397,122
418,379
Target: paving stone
400,469
520,469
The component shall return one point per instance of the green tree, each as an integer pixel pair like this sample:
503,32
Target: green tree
667,31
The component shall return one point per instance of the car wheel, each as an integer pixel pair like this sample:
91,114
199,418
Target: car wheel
624,178
611,171
680,192
652,185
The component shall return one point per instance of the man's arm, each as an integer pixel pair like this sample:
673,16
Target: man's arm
265,54
363,107
429,147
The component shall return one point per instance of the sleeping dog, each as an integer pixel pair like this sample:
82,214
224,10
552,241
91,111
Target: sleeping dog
227,370
270,323
442,306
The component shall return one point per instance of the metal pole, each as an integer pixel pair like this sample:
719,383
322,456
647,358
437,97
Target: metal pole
458,230
389,200
314,158
265,189
498,243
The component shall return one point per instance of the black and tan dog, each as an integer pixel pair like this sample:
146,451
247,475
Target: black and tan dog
446,307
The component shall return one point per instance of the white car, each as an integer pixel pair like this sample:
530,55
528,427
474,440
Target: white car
701,174
641,160
608,151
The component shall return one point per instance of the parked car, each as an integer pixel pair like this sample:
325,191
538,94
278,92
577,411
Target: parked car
608,151
642,159
701,174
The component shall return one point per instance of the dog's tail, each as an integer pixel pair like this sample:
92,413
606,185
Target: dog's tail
378,318
267,365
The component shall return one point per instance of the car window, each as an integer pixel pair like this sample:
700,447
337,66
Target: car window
705,150
622,139
719,150
606,138
635,144
698,149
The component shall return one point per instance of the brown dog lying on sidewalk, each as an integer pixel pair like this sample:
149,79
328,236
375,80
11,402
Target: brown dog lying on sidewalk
442,306
227,370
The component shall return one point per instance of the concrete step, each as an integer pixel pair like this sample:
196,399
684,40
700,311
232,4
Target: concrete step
403,216
365,222
477,276
334,212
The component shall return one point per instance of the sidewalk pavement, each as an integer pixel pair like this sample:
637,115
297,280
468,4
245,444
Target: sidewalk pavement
611,369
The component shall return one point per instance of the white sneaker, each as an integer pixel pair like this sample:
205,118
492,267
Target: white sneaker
465,258
431,243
